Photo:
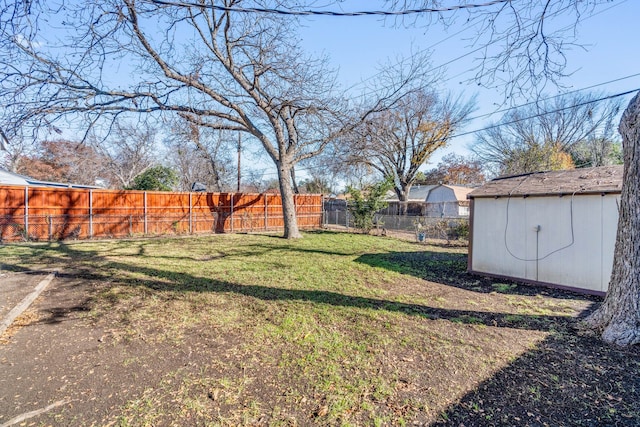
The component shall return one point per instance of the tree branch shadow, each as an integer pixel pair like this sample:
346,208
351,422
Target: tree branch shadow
170,281
567,380
451,269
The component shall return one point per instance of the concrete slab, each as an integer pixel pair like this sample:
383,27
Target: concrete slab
14,287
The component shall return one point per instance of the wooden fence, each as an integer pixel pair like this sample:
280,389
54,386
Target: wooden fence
40,213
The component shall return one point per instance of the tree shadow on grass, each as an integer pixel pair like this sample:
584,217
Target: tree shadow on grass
171,281
451,269
567,380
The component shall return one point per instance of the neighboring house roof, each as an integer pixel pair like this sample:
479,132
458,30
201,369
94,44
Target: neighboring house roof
10,178
460,192
599,180
417,193
420,193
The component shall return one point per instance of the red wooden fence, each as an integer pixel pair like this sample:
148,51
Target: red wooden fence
41,213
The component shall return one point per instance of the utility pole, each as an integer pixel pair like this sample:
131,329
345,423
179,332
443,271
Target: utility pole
239,151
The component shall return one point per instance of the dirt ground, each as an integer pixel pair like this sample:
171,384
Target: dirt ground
69,361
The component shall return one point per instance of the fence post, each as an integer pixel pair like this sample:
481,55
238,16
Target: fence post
190,216
146,227
50,227
26,213
91,214
266,214
232,194
130,225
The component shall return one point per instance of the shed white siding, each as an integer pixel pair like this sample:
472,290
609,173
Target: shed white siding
573,247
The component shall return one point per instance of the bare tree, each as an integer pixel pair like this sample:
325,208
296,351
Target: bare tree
14,152
129,149
519,46
457,170
63,161
200,155
397,142
543,135
256,182
15,145
214,67
599,149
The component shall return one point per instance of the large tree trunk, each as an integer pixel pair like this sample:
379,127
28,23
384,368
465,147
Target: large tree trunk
618,318
288,204
403,200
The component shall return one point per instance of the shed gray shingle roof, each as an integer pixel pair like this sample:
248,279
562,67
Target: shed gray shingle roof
604,179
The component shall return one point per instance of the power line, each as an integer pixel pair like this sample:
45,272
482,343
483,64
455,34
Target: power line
593,101
544,113
421,51
432,69
327,12
554,96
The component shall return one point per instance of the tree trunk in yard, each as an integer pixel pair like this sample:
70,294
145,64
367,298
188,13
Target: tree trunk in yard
291,230
403,201
618,318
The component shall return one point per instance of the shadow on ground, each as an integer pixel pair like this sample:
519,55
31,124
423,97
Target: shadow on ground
451,269
567,379
162,280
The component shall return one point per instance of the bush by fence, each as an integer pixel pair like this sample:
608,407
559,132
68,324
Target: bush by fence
39,213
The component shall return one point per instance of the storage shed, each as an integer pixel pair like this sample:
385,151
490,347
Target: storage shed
442,201
551,228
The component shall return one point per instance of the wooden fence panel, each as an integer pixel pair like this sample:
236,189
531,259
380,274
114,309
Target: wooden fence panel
248,212
11,200
274,212
204,216
117,213
12,213
167,213
40,213
57,213
307,206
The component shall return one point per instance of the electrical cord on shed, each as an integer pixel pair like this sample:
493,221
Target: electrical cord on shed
506,227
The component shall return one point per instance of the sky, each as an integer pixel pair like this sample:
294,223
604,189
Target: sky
358,45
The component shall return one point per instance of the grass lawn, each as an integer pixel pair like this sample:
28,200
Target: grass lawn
333,329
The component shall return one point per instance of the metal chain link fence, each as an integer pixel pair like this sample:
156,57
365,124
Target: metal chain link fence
424,227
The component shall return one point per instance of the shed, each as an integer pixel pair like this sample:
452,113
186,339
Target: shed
554,229
440,200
